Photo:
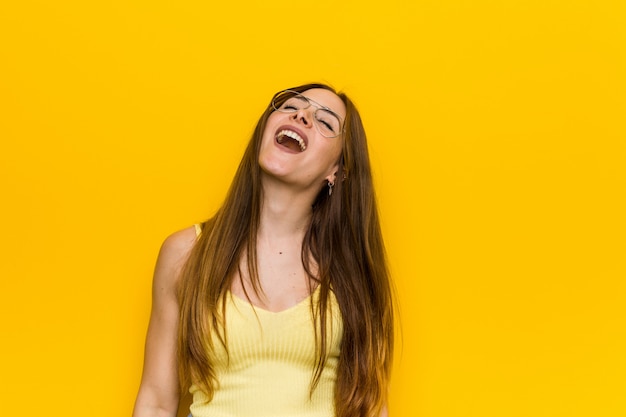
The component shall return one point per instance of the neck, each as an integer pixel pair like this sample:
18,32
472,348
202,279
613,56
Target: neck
285,212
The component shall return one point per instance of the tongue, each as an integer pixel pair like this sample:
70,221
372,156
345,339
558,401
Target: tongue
291,144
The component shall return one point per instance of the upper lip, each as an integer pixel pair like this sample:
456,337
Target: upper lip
293,129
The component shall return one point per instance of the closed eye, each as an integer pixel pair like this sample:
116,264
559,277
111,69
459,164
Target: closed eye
324,119
327,125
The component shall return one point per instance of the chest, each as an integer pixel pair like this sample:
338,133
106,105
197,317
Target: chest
255,336
283,280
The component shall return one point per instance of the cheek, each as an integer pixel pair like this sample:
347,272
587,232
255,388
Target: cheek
335,149
270,126
274,119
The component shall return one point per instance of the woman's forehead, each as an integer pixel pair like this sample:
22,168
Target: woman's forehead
327,99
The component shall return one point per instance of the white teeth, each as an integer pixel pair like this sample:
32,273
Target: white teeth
293,135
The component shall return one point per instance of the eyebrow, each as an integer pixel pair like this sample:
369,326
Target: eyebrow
320,105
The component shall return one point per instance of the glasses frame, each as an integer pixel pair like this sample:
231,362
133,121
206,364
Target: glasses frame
310,103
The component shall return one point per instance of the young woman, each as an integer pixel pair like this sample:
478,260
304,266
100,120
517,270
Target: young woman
280,305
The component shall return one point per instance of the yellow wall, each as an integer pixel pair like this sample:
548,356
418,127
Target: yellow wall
498,139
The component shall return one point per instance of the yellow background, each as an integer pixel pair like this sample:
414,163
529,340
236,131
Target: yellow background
497,132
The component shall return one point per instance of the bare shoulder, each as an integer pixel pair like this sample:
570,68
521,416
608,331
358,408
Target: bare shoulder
179,243
159,391
173,254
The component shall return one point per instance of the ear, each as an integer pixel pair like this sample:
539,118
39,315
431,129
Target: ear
333,176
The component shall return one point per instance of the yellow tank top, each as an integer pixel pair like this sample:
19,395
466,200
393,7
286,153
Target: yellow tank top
271,362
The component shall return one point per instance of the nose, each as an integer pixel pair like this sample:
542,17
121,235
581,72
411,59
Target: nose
303,116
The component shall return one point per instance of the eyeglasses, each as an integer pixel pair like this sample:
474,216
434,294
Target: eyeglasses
327,122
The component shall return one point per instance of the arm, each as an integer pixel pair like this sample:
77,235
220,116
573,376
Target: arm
159,390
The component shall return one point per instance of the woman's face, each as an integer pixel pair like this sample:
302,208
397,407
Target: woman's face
294,151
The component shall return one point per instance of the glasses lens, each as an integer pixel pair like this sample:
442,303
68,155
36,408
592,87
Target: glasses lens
284,102
327,122
294,104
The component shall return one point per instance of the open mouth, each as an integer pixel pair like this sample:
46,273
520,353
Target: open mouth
291,140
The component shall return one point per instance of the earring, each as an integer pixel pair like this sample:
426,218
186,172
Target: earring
330,187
